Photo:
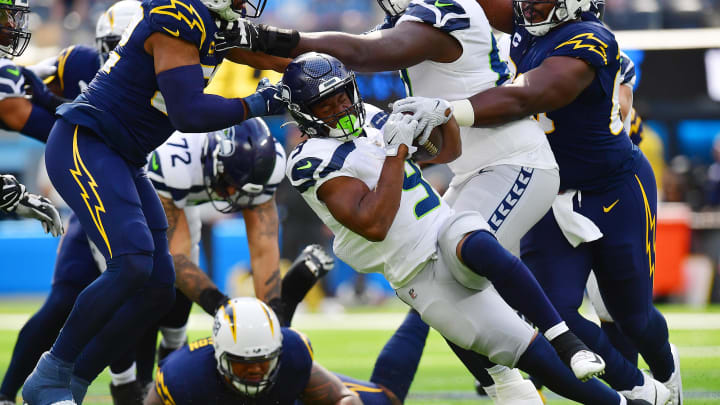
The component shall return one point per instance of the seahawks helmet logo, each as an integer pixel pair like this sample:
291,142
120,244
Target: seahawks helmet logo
226,142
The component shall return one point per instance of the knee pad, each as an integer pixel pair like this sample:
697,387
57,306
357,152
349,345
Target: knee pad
482,253
132,269
163,269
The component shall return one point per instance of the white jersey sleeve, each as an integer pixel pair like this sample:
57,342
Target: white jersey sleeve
412,238
175,169
11,80
374,116
627,70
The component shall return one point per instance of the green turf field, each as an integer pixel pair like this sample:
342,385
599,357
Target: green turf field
441,378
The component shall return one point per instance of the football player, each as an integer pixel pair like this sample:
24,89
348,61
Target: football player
387,219
568,74
151,84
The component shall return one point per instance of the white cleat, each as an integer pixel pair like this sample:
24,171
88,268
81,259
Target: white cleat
586,365
652,391
674,383
521,392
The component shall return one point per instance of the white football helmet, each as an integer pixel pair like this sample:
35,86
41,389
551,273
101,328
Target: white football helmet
112,23
226,11
394,7
564,10
246,330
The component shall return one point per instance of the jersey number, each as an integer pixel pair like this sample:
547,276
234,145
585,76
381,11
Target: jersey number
183,145
415,179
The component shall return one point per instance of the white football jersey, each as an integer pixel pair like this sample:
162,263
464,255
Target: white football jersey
412,238
176,171
11,80
479,68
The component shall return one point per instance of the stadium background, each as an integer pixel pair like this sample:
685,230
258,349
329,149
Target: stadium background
675,45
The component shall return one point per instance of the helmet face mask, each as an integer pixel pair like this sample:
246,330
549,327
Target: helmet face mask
14,33
237,163
530,13
247,339
316,84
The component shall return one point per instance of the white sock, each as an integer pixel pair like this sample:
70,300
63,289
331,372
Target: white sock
173,338
124,377
556,331
503,375
491,392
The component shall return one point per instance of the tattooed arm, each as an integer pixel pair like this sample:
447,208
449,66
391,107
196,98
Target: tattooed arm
189,278
325,388
261,223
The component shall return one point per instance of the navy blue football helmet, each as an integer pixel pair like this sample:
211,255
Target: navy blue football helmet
313,77
242,158
14,33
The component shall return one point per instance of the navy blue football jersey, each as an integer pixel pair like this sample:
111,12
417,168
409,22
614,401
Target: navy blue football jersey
190,376
586,136
123,104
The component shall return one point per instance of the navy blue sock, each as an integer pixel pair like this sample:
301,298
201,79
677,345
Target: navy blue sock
482,253
99,301
619,372
398,361
651,338
621,342
475,362
145,355
123,332
541,361
37,335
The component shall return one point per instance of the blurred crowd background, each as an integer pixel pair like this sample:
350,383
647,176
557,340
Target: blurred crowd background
675,45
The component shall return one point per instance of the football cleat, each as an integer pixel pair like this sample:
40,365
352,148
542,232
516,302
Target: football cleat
652,391
131,393
674,383
586,365
49,382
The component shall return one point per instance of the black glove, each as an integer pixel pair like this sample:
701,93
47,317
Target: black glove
40,208
39,92
257,38
211,299
265,100
11,192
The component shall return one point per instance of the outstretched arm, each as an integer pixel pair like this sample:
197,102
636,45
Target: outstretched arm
400,47
552,85
189,278
261,222
325,388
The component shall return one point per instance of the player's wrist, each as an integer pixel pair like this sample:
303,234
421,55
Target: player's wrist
278,41
463,112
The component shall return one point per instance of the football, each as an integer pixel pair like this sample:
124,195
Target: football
430,148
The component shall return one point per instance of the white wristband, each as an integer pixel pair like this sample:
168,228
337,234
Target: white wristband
463,112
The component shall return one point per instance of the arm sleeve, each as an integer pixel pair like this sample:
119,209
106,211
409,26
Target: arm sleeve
190,109
39,124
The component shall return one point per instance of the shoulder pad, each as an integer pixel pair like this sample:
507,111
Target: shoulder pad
185,19
76,64
627,70
299,340
589,41
11,80
447,15
375,117
312,162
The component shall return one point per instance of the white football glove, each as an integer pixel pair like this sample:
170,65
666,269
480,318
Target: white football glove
44,69
400,129
11,192
429,112
317,260
40,208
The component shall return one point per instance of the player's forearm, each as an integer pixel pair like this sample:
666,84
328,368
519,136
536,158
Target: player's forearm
350,400
504,104
190,279
362,53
